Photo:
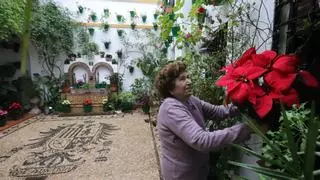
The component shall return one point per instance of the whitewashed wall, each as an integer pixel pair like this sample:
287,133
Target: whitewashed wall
99,36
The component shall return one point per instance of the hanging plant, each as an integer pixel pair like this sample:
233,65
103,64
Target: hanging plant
119,53
93,16
144,18
106,27
102,54
106,12
120,18
108,57
107,44
80,9
133,26
175,30
131,69
78,55
120,32
91,31
114,61
133,14
155,15
155,26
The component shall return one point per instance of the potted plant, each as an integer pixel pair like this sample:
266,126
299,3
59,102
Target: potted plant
106,12
15,110
80,9
106,27
119,53
93,16
120,18
3,117
108,57
107,44
91,31
155,26
87,105
107,106
133,26
131,68
144,18
133,14
114,61
102,54
155,15
120,32
65,106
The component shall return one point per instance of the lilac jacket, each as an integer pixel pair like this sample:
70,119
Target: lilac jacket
184,142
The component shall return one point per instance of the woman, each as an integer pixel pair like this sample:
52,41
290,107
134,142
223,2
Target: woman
185,144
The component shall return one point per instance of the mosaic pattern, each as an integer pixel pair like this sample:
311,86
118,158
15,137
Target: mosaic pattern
62,149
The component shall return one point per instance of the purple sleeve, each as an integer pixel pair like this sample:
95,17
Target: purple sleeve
183,125
218,111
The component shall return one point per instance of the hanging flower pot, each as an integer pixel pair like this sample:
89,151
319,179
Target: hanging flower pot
175,30
78,55
80,8
91,31
133,26
164,50
155,16
93,17
114,61
107,44
113,87
120,18
106,27
108,57
119,53
120,32
132,14
155,26
90,63
131,69
106,12
167,44
144,18
102,54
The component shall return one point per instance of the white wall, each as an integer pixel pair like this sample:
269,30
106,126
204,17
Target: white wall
104,73
8,56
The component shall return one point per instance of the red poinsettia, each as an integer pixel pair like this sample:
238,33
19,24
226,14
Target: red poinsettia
3,113
14,106
201,10
87,102
262,78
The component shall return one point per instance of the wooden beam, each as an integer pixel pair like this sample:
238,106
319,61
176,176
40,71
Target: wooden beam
99,24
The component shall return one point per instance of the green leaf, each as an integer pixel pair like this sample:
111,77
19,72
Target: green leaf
265,171
291,144
311,145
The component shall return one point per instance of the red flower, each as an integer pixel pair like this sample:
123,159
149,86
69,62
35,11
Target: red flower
240,86
309,79
14,105
201,10
87,102
3,113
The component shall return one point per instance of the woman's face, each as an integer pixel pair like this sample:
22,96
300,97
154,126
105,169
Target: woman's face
182,87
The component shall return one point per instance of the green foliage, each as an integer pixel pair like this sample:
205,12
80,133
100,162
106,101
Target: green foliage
204,71
293,154
52,31
52,35
86,47
11,18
